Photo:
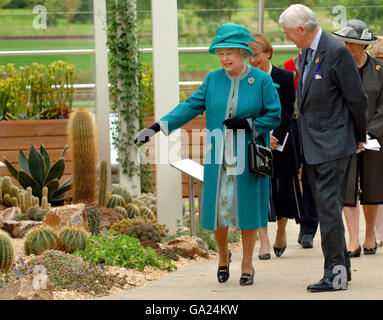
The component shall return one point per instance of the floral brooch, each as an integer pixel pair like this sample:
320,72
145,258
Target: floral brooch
317,75
250,80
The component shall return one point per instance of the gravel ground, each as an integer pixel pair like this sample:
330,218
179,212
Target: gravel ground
135,278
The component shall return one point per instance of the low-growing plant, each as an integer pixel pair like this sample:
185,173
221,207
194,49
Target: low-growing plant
70,272
121,250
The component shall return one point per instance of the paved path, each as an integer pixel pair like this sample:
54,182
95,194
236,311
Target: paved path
278,278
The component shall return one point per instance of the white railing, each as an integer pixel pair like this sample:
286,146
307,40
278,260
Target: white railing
277,48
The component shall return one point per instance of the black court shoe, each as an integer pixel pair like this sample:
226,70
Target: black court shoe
279,251
355,253
370,251
223,273
246,279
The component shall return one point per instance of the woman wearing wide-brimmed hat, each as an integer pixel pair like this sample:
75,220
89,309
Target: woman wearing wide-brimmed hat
376,50
235,99
366,175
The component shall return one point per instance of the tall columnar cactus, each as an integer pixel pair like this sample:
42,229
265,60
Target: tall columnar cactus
39,239
71,238
82,132
6,185
102,184
6,251
93,217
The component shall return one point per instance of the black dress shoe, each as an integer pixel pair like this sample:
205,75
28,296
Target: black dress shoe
300,237
307,241
326,284
279,251
265,256
246,279
223,273
355,253
370,251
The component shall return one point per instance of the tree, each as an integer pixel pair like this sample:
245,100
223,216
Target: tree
210,10
281,5
3,3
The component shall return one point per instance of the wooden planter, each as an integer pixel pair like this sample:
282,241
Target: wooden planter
187,143
22,134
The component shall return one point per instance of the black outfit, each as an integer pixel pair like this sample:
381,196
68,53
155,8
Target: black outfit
366,171
285,196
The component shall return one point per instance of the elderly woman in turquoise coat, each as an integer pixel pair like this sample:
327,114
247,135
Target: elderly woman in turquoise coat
238,99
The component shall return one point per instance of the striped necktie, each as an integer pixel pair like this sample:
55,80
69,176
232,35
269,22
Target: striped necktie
309,60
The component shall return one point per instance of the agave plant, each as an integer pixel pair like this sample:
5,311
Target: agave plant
37,172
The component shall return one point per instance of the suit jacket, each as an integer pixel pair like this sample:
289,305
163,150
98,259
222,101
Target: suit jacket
285,163
333,106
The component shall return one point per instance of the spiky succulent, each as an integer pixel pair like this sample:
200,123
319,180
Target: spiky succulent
37,172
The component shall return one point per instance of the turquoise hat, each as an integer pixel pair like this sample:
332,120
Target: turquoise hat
230,35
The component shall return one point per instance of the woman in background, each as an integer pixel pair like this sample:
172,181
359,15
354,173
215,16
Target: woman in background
285,196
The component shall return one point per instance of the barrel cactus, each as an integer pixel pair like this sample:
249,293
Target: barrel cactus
146,212
39,239
132,210
144,232
115,200
71,238
121,210
7,252
123,192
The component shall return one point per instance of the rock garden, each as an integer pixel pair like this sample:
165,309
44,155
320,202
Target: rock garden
78,240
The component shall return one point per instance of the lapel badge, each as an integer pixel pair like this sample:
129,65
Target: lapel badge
250,80
317,60
378,67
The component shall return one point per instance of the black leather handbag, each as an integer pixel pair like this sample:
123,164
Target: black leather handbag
260,158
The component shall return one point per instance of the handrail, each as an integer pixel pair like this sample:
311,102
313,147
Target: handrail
286,47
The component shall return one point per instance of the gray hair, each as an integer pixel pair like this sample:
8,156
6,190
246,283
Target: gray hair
299,15
245,53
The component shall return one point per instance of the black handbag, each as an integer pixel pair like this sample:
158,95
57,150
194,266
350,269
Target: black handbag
260,158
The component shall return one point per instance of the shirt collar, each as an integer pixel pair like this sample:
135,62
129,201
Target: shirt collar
315,43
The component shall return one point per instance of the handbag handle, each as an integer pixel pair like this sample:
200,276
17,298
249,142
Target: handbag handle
253,134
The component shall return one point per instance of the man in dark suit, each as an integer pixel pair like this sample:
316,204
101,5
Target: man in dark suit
332,123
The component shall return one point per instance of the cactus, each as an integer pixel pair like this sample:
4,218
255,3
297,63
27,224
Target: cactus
83,143
40,215
132,210
6,185
21,217
6,251
115,200
37,172
71,238
123,192
146,212
32,211
93,217
39,239
29,198
102,184
121,210
14,202
144,232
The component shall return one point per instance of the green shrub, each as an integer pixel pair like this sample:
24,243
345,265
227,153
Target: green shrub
122,250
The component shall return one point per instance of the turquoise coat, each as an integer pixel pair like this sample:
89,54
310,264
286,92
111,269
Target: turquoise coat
251,96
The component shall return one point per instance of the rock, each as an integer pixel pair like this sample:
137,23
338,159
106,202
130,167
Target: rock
8,214
22,289
194,245
18,229
72,214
